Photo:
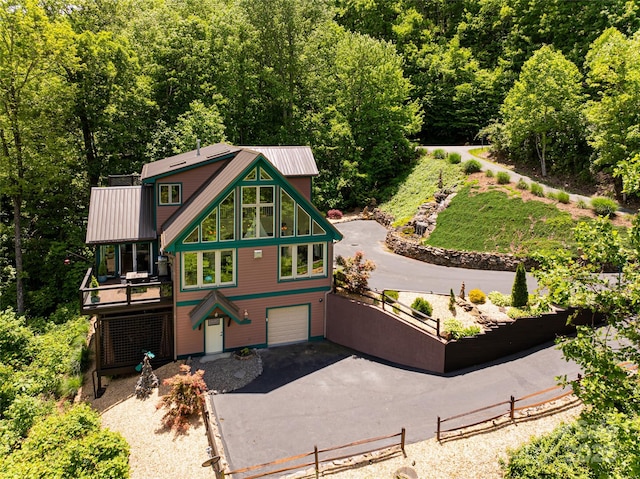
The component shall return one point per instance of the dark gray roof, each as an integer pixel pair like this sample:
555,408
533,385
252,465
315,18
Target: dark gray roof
120,214
207,195
290,160
215,299
185,160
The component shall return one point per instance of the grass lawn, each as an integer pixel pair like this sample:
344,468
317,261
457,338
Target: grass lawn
420,186
493,221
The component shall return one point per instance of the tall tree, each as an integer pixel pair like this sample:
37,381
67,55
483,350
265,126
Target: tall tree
613,115
31,49
543,109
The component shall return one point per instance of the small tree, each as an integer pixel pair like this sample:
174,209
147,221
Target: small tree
354,273
147,380
184,399
452,302
519,293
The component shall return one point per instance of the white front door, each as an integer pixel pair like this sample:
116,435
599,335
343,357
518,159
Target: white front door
213,335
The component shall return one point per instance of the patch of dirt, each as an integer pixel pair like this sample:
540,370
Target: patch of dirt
484,184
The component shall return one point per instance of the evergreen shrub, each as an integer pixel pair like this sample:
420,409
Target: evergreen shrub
563,197
489,174
439,153
519,292
454,158
537,189
603,206
522,184
422,305
470,166
503,178
476,296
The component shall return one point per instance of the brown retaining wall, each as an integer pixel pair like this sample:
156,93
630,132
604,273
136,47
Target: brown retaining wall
368,329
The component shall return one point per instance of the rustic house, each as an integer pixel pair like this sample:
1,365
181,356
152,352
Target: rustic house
212,250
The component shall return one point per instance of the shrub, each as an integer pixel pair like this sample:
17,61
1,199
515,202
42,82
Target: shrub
422,305
582,204
390,293
471,166
334,214
603,206
503,177
184,398
452,302
563,197
522,184
354,272
499,299
457,329
476,296
439,153
519,292
454,158
489,173
537,189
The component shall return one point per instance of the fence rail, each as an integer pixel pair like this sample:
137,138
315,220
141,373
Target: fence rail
316,457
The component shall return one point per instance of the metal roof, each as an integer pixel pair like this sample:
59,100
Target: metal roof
185,160
207,195
120,214
290,160
215,299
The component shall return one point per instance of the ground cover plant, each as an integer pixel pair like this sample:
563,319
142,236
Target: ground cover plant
421,185
491,221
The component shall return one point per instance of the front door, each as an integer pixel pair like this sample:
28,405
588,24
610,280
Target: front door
213,339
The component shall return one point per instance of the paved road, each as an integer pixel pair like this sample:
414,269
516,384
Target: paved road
401,273
323,394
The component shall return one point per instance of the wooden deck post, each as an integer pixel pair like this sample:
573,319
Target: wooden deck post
512,406
402,440
315,453
438,430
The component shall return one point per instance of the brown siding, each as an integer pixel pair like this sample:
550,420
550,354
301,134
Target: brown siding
191,180
372,331
188,340
302,184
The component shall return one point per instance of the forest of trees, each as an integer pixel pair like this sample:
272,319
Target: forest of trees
99,87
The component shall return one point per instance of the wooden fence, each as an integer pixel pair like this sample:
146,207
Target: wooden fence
316,457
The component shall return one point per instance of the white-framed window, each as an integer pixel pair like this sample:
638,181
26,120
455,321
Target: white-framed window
303,260
201,269
258,217
170,194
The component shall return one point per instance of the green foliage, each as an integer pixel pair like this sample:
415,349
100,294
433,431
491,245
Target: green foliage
476,296
184,399
15,339
563,197
606,446
422,305
354,272
70,444
503,178
492,221
499,299
537,189
603,206
458,330
489,174
470,166
454,158
439,154
519,292
522,184
582,204
452,301
420,185
102,269
391,293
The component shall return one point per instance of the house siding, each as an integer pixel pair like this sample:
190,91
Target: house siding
302,184
191,181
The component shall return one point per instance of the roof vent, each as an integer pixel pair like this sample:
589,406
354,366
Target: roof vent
178,164
198,147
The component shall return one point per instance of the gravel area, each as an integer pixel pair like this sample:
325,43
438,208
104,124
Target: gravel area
227,373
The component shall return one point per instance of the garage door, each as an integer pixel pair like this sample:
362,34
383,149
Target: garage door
288,325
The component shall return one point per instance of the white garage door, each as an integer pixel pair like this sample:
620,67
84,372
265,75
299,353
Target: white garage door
288,325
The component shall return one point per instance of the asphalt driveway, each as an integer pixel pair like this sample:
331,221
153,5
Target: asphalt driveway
326,395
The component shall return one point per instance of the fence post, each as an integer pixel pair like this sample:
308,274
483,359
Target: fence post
512,407
438,431
315,452
402,439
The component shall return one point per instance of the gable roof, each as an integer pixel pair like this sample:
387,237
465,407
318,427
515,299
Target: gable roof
183,217
215,300
289,160
120,214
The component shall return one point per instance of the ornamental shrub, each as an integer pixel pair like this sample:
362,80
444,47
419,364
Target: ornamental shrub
439,153
422,305
563,197
354,272
489,174
582,204
454,158
503,178
603,206
537,189
476,296
519,292
522,185
452,301
471,166
334,214
499,299
184,398
458,330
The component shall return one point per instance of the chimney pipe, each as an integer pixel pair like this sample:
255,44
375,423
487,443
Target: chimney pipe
198,146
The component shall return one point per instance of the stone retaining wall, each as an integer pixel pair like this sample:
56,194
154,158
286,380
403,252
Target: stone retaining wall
449,257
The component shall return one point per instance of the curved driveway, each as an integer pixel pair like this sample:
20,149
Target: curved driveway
323,394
